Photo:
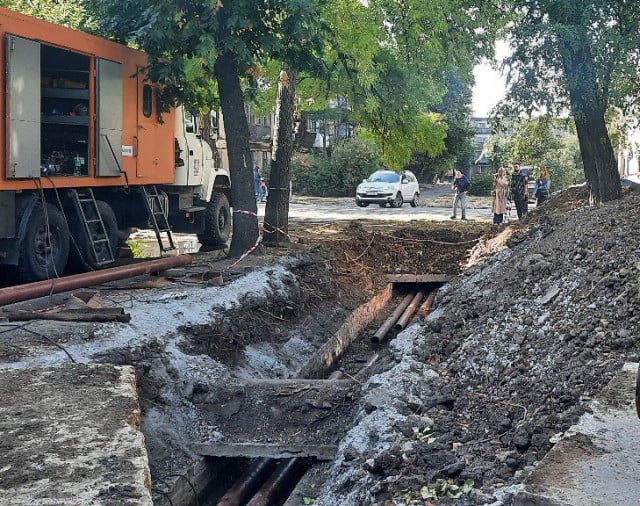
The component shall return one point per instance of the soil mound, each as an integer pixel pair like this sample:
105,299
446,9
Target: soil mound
510,358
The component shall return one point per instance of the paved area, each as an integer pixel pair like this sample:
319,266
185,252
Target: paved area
597,462
70,446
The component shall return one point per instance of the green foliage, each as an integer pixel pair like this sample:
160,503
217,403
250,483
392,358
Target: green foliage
533,140
482,184
444,488
137,248
352,161
70,13
455,110
539,142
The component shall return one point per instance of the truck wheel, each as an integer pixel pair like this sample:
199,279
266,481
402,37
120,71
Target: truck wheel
82,257
217,221
44,249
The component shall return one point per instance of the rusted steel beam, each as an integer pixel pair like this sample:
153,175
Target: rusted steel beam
247,484
384,329
410,311
41,288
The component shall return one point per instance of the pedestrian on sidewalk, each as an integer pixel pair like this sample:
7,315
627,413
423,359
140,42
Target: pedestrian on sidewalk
460,186
257,182
543,184
519,191
499,193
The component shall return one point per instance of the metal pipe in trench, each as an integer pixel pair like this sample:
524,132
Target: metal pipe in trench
28,291
410,311
426,306
273,487
244,486
391,321
238,493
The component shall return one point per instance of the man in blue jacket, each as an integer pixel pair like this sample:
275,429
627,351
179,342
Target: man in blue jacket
461,186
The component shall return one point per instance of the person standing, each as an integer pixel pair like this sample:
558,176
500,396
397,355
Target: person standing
257,183
499,192
543,185
519,191
460,186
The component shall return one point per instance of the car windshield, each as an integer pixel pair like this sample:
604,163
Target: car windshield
384,177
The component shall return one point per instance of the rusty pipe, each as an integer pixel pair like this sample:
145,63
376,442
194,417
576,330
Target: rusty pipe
390,322
426,307
273,487
28,291
339,374
246,485
410,311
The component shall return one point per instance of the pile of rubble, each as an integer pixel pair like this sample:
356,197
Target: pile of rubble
509,359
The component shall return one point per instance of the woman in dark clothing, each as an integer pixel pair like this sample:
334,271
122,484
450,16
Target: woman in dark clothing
543,184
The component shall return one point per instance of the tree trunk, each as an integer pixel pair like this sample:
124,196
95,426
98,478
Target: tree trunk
276,215
236,127
588,107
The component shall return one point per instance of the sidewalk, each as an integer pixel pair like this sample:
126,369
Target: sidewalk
597,461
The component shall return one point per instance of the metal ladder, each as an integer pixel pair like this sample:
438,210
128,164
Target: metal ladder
94,228
156,210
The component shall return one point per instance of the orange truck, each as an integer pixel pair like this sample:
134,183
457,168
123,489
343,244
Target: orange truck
87,157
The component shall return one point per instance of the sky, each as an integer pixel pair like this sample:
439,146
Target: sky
490,85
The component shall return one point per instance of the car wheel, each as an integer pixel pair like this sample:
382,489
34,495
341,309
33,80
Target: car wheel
359,203
398,201
415,202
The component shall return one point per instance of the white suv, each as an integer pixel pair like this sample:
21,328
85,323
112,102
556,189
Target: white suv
386,186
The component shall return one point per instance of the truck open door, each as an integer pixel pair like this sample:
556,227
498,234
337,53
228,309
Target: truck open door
109,124
23,106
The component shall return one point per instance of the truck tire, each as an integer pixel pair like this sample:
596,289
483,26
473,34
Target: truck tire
217,221
82,257
44,249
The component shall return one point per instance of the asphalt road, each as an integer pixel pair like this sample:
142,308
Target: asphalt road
435,205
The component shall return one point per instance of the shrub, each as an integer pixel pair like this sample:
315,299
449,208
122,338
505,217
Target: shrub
352,160
482,184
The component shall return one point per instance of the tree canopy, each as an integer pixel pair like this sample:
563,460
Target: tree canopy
581,56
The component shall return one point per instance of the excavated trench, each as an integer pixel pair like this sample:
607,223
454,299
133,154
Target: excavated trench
283,350
239,378
264,469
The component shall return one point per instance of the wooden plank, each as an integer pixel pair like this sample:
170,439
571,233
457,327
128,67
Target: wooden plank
71,315
419,278
274,451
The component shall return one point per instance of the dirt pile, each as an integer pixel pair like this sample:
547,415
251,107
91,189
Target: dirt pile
510,358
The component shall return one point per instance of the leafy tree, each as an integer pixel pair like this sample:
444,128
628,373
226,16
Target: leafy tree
456,111
392,66
226,40
532,140
71,13
539,142
581,55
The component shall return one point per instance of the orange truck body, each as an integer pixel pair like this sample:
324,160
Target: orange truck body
87,157
147,143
